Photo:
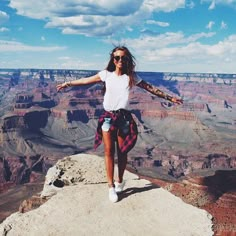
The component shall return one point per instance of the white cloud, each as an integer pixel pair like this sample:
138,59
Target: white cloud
130,29
210,25
159,23
190,4
176,52
213,5
64,58
94,18
13,46
164,5
4,29
3,17
172,50
195,37
168,39
73,63
223,25
68,8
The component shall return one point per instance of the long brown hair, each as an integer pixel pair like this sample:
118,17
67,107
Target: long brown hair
129,66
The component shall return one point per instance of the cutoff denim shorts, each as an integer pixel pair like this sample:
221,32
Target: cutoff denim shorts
107,125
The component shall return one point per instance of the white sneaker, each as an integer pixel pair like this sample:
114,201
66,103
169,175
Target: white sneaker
112,195
119,186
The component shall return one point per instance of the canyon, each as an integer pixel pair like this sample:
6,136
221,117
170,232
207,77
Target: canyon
189,149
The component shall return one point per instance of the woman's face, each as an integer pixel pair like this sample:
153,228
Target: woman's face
119,58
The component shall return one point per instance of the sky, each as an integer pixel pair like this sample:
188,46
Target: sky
163,35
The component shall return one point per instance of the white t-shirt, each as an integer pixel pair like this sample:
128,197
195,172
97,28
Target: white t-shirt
117,90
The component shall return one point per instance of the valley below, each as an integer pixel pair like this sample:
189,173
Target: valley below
188,149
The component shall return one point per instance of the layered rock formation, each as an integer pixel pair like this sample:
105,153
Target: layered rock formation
39,126
81,207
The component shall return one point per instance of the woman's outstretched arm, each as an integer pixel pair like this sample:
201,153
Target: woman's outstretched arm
82,81
156,91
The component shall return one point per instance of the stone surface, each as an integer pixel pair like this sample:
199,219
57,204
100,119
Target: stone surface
83,208
215,193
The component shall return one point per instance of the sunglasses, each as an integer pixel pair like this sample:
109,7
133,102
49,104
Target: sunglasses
122,58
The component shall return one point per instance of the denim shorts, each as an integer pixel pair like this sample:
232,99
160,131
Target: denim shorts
106,124
124,126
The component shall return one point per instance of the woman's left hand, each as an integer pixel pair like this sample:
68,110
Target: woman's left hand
177,100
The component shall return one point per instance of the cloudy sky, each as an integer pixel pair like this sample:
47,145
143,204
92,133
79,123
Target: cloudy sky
163,35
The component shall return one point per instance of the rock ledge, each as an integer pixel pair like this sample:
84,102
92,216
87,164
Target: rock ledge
79,205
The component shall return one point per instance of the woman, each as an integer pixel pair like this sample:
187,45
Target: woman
116,125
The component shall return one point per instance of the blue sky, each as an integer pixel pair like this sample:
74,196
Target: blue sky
163,35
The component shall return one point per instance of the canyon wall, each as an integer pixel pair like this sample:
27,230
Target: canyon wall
181,147
37,115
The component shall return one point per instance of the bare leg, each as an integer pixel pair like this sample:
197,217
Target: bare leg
122,159
109,149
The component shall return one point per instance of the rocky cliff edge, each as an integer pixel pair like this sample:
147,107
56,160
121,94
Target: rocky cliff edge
76,203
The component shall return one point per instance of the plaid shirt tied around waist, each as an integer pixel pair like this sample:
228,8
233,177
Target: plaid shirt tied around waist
117,119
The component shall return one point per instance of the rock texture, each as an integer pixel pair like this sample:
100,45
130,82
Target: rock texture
39,126
81,207
215,193
36,120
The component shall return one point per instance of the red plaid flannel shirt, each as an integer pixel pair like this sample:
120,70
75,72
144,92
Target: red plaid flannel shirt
117,116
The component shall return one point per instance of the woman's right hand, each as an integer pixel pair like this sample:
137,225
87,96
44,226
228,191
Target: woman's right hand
62,86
